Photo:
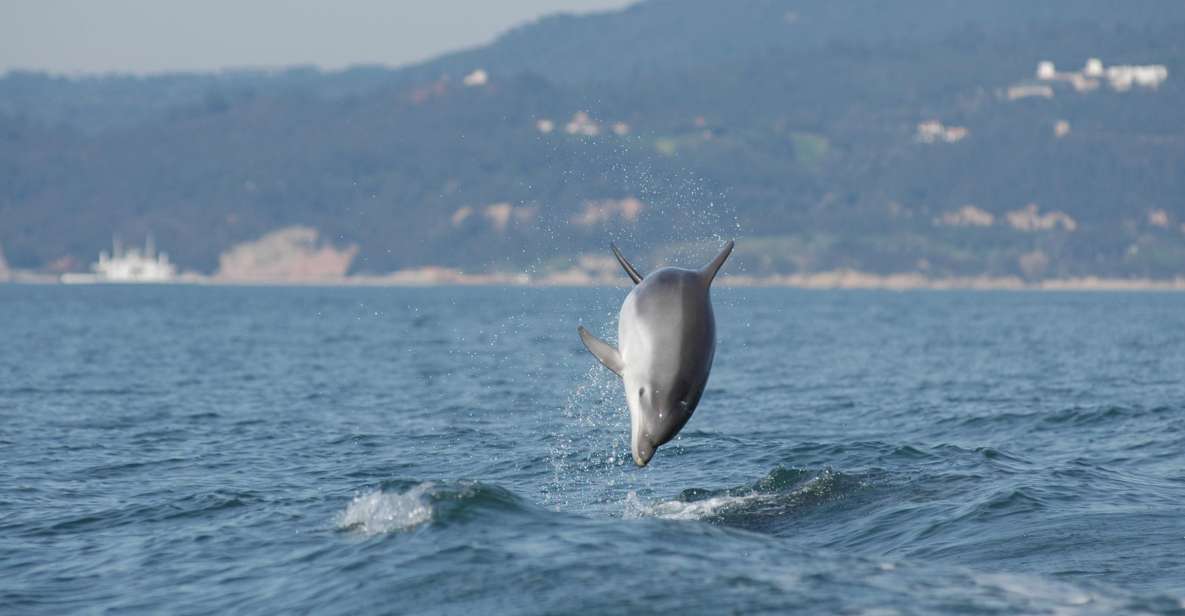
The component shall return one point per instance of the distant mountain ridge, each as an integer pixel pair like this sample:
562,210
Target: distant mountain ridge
796,123
685,34
657,35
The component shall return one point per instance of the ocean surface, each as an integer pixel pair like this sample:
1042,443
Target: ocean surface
204,450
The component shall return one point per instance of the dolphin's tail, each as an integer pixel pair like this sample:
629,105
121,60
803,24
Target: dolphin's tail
709,270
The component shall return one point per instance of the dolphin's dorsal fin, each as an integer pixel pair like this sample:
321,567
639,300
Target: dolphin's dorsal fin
709,271
602,351
629,269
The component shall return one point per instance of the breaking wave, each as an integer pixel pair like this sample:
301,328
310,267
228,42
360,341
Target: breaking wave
379,512
781,491
404,506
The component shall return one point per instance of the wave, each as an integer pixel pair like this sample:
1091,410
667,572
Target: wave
1076,416
381,512
683,510
781,491
390,509
171,508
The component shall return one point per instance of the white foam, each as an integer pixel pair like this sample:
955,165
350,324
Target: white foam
380,512
682,510
1065,598
708,507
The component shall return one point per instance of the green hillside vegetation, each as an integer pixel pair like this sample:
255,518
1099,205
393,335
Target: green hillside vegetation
792,124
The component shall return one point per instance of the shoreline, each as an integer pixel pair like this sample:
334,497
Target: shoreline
836,280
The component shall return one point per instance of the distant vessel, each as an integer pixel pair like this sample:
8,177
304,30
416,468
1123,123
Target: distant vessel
130,265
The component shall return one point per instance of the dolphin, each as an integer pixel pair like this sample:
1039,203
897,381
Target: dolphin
667,333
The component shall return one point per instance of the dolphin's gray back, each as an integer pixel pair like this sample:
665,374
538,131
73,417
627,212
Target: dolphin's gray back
666,336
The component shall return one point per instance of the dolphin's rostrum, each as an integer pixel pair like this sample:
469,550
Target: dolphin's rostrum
667,334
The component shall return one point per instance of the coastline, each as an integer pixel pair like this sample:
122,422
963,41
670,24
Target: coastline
840,279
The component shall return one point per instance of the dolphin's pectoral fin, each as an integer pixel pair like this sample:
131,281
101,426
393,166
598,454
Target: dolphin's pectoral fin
602,351
709,270
629,269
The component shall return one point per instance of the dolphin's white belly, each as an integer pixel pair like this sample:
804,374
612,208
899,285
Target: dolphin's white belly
652,340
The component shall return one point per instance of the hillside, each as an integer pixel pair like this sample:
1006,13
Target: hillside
895,137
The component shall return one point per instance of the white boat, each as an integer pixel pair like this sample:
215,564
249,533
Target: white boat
127,265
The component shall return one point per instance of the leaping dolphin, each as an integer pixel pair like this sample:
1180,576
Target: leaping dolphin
667,334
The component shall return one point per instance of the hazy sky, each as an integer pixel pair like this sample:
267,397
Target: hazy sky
146,36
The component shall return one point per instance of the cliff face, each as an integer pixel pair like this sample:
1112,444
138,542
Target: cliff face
293,254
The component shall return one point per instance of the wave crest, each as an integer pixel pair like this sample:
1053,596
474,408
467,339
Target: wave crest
779,492
402,505
380,512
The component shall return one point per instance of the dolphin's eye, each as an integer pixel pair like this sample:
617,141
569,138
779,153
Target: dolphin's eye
642,393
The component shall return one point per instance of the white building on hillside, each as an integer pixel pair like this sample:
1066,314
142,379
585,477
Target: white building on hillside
1121,78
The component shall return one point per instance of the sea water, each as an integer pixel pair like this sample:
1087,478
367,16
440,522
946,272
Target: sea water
207,450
